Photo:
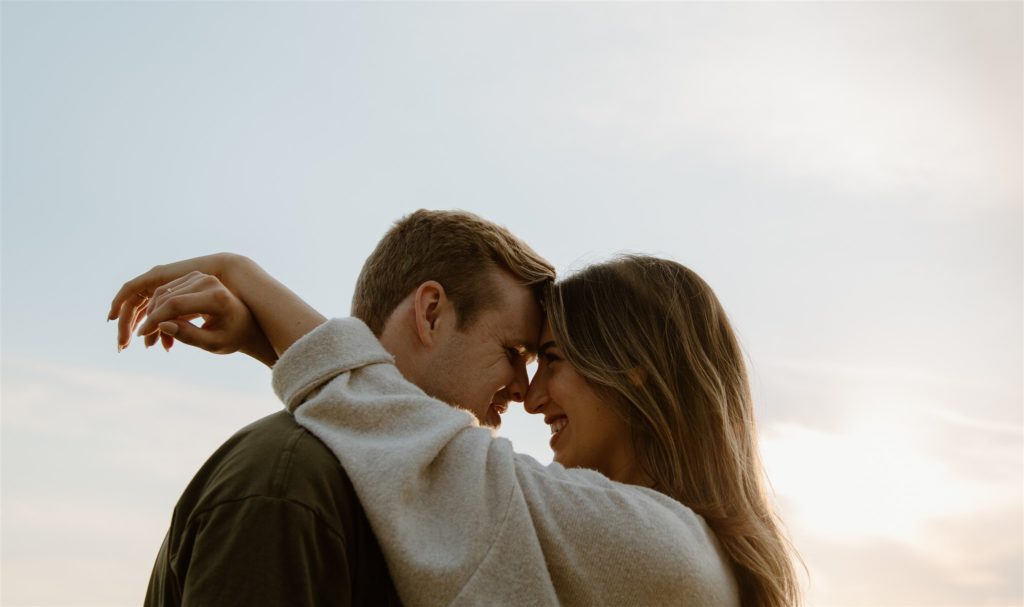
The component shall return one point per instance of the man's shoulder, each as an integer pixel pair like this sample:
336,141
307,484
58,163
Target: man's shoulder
270,519
275,437
273,457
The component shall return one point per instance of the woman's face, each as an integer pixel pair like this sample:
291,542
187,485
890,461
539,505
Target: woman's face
585,431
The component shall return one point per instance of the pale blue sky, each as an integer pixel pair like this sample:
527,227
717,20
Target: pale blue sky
846,176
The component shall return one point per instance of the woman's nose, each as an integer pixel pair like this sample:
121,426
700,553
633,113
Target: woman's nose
536,395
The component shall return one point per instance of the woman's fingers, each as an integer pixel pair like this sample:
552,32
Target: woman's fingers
134,296
140,312
166,340
184,306
132,311
181,283
179,292
179,286
144,284
188,333
126,319
140,287
138,305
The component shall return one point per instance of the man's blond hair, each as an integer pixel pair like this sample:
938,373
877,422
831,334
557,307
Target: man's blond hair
455,248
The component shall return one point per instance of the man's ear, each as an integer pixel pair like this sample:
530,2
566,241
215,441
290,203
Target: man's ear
429,302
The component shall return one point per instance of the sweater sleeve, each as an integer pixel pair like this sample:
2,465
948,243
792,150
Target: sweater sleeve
463,519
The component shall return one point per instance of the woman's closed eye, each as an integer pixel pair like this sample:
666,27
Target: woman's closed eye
548,353
551,357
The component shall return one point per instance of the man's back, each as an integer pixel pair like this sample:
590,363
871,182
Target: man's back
270,519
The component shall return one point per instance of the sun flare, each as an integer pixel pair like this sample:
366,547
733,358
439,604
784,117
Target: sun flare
872,480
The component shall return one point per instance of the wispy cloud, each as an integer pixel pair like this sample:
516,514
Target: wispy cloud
885,470
901,112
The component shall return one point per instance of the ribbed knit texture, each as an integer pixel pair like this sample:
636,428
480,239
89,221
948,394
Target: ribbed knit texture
464,520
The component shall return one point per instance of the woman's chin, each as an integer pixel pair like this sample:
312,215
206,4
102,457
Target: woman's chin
560,458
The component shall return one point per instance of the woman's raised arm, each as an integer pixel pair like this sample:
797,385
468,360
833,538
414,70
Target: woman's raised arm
245,308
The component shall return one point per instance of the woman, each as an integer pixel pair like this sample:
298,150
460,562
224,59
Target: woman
640,379
647,341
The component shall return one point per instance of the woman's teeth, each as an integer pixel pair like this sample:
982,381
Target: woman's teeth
558,424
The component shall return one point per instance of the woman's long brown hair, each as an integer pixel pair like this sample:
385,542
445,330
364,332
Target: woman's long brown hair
652,338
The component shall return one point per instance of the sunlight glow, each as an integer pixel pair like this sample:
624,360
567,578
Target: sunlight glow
873,480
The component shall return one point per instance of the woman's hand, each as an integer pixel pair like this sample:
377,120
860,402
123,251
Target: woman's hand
283,316
133,300
228,325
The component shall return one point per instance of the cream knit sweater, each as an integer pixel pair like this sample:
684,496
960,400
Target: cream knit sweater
462,519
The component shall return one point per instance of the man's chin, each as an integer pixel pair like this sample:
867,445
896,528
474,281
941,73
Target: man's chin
492,419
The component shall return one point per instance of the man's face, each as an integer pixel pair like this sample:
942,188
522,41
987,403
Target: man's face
482,367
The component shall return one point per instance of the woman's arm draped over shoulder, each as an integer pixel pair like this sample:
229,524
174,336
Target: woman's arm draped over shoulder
283,315
462,519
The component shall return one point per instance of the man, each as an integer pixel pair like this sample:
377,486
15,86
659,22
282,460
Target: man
271,519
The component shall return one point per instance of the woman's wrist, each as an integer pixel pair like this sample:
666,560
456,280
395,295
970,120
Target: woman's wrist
262,351
236,272
283,315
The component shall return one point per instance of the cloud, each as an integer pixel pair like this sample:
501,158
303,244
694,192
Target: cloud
896,98
880,470
888,573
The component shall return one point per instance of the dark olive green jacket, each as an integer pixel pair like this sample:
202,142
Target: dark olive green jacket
270,519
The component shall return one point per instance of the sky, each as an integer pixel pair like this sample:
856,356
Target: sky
846,176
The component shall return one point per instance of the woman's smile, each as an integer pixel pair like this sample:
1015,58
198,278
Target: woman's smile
557,424
600,439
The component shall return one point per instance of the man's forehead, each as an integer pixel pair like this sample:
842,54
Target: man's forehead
521,315
523,330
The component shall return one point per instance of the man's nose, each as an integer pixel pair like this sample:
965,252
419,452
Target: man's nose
520,383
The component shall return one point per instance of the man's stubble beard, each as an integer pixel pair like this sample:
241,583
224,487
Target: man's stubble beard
446,376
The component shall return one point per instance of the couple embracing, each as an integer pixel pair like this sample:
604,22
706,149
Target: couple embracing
656,495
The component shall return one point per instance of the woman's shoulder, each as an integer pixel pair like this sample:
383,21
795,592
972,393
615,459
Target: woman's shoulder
587,495
625,527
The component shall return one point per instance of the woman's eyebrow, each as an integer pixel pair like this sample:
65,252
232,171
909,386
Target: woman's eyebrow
544,347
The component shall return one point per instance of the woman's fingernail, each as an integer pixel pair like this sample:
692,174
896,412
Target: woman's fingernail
169,328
